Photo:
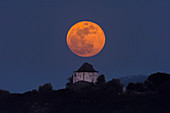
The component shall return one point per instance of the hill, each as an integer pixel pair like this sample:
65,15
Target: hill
103,97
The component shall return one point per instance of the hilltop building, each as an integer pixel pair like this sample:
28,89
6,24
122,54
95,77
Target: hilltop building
85,73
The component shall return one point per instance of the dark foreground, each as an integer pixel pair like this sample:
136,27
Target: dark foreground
153,96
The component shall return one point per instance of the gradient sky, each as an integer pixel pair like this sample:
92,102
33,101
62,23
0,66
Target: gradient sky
33,48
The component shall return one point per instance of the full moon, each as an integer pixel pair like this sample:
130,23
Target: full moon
85,39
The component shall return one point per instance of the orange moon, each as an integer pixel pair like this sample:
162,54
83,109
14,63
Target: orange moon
85,39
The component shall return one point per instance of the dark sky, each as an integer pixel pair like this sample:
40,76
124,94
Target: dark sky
33,48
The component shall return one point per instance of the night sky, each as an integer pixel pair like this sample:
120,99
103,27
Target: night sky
33,49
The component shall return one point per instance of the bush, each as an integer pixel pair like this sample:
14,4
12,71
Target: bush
46,88
100,80
113,86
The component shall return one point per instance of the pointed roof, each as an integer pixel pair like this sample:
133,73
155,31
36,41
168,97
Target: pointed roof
86,67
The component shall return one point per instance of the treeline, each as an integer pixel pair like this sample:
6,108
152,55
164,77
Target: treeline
155,83
151,96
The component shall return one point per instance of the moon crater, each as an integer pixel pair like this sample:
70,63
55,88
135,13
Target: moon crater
85,39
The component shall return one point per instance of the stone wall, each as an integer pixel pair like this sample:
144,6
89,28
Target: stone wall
85,76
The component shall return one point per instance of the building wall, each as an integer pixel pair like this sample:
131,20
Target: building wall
85,76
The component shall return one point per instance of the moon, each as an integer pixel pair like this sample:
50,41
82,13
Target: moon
85,39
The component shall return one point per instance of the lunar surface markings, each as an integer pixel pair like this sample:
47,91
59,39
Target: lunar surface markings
85,39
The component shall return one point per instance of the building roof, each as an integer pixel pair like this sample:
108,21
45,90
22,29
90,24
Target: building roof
86,67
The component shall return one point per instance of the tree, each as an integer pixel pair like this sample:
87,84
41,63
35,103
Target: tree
130,87
157,81
4,92
46,88
70,82
114,86
136,87
100,80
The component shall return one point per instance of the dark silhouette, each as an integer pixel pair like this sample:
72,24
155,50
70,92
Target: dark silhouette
46,88
101,80
4,92
151,96
70,82
158,82
113,87
135,87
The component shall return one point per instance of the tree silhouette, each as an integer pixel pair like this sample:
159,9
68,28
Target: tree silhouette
4,92
157,80
114,86
130,87
135,87
100,80
70,82
45,88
